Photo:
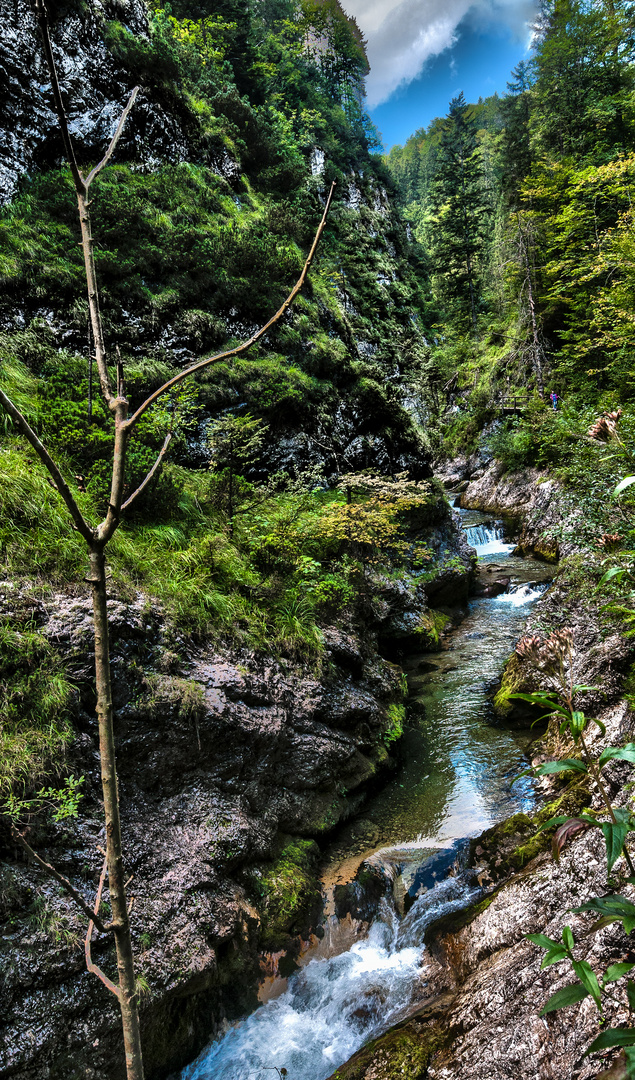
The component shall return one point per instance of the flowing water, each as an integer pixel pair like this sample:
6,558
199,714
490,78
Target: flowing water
455,781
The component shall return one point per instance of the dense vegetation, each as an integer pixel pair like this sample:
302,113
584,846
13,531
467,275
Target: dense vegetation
245,533
521,210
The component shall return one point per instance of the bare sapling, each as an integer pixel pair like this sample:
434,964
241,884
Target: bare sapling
97,538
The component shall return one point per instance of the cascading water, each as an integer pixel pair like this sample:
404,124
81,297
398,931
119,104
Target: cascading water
333,1006
488,539
455,781
519,595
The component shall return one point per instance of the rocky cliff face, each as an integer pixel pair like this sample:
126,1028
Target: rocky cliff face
532,497
94,86
231,767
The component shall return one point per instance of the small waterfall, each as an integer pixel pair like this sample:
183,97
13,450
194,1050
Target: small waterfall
488,539
334,1005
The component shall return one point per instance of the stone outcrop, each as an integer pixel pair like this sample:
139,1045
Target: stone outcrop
231,766
95,88
545,513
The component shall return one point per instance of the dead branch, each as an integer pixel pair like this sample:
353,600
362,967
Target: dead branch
246,344
61,486
115,139
144,483
89,960
41,16
64,882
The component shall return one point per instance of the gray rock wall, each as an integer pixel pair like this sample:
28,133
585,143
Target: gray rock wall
94,89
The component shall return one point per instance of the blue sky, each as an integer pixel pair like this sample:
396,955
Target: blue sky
423,52
479,64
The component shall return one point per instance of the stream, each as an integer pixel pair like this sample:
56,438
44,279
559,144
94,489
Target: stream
454,782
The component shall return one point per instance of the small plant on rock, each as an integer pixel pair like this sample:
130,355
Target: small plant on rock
554,659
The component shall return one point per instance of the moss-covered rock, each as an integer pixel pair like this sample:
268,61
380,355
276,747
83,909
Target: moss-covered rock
517,678
515,842
401,1054
289,893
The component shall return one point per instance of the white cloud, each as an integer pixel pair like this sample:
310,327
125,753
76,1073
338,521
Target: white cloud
404,34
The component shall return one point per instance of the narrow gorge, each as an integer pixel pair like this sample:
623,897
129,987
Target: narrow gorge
349,436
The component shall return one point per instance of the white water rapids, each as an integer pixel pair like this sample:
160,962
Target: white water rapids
333,1006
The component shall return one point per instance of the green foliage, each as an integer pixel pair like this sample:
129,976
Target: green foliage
61,803
553,660
35,706
396,714
288,892
551,166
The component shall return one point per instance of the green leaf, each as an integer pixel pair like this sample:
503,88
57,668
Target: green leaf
623,484
525,772
630,993
567,937
561,766
614,908
569,995
588,978
615,571
615,972
577,723
544,701
555,956
612,1037
559,820
542,940
614,837
618,753
599,724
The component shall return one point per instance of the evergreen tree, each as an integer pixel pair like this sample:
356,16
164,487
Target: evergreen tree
461,211
584,56
516,153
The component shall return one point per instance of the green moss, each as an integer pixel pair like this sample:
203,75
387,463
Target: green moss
512,682
571,801
396,715
35,702
289,893
431,626
403,1053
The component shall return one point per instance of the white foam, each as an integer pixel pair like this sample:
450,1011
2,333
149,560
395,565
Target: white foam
519,595
334,1005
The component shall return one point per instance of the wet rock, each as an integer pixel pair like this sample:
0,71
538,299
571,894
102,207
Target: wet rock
95,88
484,983
485,587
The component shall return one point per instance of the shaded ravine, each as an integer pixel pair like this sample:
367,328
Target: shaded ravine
455,782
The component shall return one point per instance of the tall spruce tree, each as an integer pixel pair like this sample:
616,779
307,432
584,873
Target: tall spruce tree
461,212
516,151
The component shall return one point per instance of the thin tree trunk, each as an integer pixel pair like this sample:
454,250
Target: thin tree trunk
127,990
472,299
534,330
532,309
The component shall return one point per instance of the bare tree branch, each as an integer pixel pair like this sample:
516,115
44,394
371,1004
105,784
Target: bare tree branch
144,483
246,344
41,16
77,896
89,960
115,139
60,484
